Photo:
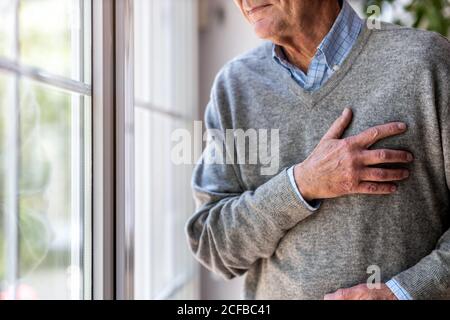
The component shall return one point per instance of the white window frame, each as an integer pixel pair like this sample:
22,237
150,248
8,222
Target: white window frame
125,150
113,154
103,246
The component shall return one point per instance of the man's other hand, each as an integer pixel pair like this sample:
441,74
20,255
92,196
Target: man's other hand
362,292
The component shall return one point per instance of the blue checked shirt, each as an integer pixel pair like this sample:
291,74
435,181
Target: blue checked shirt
329,57
330,54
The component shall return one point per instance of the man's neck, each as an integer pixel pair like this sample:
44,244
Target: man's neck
301,47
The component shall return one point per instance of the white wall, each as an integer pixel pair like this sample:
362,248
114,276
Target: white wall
220,41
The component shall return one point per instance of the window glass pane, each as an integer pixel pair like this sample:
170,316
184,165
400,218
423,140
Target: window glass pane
7,18
6,84
166,100
52,183
166,54
53,188
45,153
163,205
52,36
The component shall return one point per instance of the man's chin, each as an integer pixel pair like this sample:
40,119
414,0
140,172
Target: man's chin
263,29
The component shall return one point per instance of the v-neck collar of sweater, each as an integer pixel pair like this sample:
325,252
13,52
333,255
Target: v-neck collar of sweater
314,97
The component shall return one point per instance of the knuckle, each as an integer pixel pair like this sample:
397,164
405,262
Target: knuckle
350,160
382,155
372,188
347,186
354,164
350,176
374,133
380,174
390,188
346,144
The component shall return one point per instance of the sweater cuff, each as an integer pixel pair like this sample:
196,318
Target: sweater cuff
425,281
277,200
311,206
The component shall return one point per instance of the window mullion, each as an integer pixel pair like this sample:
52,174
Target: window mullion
42,76
125,149
77,174
12,157
104,174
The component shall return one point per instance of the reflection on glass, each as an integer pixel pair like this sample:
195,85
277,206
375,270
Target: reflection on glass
50,258
5,100
7,18
59,29
45,191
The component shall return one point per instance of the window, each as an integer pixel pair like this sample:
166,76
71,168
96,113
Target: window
45,149
91,205
165,100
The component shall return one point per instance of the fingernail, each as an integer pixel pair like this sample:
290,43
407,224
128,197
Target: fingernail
410,157
346,111
406,174
393,188
402,126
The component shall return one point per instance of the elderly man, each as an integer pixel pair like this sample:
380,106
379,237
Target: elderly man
368,192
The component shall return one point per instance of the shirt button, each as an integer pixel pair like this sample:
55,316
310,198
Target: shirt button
335,67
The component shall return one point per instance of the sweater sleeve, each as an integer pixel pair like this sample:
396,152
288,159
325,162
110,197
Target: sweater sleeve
233,227
430,278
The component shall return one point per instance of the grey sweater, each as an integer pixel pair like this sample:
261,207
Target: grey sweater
253,224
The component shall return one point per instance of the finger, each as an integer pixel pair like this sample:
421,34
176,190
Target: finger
383,175
375,188
374,157
340,294
337,129
375,134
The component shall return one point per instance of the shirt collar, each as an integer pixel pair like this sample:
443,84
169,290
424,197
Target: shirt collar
344,31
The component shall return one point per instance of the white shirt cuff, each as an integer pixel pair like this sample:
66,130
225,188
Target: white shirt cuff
314,205
398,290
